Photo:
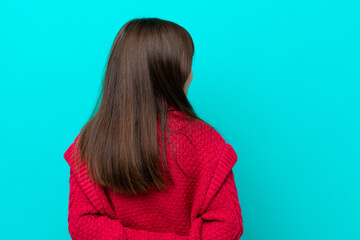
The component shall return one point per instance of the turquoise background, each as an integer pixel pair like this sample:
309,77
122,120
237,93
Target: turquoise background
280,80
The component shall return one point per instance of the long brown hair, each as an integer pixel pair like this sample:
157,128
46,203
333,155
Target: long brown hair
148,65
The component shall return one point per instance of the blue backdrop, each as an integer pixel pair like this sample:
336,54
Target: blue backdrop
279,79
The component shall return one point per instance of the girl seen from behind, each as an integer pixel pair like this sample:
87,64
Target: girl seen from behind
145,166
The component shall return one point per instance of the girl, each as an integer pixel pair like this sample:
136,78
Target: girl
145,166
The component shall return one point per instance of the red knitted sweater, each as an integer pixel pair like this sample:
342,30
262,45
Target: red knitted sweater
203,203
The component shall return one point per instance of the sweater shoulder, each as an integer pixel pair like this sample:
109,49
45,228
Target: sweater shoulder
205,134
199,147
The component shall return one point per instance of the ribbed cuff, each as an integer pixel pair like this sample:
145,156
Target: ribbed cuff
94,192
227,160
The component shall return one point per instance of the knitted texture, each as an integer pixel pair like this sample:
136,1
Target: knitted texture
203,203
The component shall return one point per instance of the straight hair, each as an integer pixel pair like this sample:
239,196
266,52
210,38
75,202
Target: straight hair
148,65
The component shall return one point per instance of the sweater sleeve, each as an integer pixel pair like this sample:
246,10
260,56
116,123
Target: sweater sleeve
85,221
220,215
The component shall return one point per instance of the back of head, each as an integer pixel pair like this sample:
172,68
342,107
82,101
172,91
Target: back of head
148,65
156,52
